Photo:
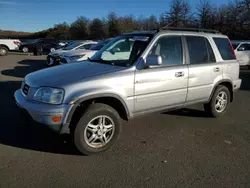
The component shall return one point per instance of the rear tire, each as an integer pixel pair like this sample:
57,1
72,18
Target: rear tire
3,51
219,102
98,129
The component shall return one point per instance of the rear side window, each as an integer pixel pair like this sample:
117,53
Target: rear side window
224,48
211,57
198,51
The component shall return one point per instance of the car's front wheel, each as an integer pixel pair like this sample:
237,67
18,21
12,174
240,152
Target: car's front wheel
98,129
219,102
25,49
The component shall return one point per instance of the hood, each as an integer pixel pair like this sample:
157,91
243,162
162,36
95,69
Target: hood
57,52
77,52
63,75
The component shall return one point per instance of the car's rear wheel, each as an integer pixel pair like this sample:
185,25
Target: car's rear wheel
98,129
219,102
3,51
25,49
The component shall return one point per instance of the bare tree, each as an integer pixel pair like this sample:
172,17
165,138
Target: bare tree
204,13
179,13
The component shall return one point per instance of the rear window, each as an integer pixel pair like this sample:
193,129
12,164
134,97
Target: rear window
224,48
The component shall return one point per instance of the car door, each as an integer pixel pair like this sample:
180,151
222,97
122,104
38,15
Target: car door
243,53
202,67
163,86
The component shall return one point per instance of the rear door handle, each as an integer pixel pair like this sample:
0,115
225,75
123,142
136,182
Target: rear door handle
216,69
179,74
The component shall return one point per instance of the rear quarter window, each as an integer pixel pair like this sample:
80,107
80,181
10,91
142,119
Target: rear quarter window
224,48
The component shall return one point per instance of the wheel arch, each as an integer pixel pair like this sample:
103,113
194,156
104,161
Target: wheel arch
228,84
3,45
82,104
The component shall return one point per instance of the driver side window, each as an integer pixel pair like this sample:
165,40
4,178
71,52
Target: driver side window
170,50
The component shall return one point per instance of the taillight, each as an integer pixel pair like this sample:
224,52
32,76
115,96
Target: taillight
16,42
232,48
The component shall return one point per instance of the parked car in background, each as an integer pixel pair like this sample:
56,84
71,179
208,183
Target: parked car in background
150,71
81,54
242,51
53,57
47,45
7,45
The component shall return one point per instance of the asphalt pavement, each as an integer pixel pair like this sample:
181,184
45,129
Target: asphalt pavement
184,148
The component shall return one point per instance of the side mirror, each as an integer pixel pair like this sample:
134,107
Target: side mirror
153,61
115,50
241,49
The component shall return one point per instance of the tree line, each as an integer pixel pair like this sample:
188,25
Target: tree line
232,19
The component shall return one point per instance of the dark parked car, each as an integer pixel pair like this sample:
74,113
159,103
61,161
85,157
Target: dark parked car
47,44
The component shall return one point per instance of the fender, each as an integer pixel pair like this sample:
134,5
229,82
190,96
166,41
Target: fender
80,100
218,83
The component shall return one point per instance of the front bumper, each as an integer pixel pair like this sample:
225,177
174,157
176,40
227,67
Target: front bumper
43,113
236,84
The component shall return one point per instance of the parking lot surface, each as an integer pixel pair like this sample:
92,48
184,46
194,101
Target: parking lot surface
184,148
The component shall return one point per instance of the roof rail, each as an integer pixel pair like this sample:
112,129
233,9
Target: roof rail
190,29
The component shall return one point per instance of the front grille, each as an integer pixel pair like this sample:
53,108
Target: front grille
25,89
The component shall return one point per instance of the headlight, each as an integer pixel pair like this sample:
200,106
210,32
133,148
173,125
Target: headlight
76,57
49,95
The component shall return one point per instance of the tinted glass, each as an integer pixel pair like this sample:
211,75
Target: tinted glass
99,45
224,48
211,57
245,46
197,49
88,46
72,46
123,50
170,50
235,45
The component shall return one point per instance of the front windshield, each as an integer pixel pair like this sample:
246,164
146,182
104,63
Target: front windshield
122,50
72,46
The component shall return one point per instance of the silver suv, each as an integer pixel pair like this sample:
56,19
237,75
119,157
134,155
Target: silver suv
134,74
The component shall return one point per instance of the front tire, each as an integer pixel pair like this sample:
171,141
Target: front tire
3,51
25,49
219,102
98,129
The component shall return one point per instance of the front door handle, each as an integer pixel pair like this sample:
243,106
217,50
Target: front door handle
216,69
179,74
